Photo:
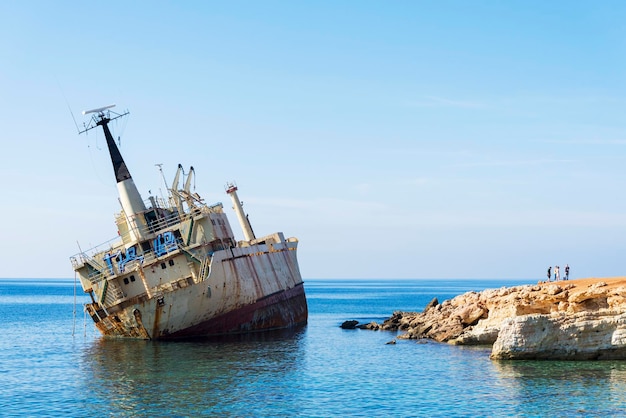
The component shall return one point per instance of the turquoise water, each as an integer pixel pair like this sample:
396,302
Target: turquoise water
317,371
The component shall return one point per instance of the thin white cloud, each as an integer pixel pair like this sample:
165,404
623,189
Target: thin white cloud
507,219
586,141
414,181
363,188
279,202
568,101
510,163
418,181
433,101
321,205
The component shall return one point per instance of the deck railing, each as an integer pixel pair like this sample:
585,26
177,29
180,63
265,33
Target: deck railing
100,272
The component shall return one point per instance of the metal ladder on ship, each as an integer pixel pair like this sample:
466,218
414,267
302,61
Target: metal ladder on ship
205,267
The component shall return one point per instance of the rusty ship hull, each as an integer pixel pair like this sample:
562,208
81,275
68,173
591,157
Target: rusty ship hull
176,271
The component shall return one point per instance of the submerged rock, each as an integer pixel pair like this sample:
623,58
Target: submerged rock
575,320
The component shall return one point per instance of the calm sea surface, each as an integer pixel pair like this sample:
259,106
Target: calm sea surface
53,363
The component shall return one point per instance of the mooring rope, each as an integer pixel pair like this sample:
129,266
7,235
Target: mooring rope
74,312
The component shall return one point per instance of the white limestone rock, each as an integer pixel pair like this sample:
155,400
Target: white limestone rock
596,335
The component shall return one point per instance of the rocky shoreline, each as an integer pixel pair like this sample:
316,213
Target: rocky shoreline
569,320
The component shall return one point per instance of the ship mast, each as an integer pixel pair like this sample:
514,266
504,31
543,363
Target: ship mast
130,199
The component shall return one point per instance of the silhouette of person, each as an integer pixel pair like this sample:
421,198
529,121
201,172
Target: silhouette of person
549,272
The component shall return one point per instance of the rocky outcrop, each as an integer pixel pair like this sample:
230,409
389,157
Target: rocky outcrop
599,335
583,319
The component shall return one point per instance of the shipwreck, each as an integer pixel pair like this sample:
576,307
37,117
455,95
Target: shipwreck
175,269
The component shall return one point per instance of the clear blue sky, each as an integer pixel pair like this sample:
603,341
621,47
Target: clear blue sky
404,139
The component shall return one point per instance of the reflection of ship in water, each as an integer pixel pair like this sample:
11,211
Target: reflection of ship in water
202,377
176,270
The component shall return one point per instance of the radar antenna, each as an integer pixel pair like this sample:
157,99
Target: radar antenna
98,110
101,116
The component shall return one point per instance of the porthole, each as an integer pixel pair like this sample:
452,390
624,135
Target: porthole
125,280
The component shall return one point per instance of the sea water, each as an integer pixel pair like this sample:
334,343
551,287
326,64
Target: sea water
54,363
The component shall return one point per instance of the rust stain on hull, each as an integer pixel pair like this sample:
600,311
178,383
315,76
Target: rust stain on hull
142,330
281,310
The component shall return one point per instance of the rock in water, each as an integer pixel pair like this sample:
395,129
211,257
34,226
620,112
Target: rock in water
349,324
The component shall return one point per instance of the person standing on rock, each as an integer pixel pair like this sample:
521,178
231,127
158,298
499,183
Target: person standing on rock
557,274
567,272
549,272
